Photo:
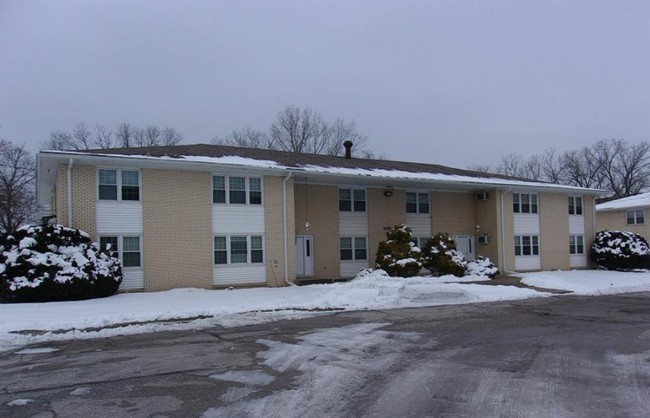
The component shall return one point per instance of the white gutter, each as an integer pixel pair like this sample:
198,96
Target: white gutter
69,186
286,233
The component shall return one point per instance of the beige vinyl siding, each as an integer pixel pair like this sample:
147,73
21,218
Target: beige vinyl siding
177,229
383,213
320,205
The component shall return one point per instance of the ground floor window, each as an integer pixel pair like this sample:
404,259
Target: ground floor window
238,249
526,245
354,248
126,247
576,244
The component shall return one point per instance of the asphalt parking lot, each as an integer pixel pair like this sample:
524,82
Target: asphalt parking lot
558,356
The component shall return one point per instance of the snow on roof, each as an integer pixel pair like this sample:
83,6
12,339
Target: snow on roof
635,201
319,164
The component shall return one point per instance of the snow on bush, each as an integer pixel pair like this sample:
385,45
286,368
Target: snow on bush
398,255
53,263
441,257
482,266
620,250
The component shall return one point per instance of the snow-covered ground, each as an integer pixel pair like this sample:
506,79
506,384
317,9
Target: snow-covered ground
135,313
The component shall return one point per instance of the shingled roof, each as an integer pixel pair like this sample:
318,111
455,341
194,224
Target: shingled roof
297,160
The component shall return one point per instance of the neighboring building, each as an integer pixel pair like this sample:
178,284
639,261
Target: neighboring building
205,215
625,214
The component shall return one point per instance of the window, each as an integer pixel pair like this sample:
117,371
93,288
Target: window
417,202
419,241
353,248
524,202
237,190
576,244
238,249
635,217
526,245
129,251
220,250
352,200
575,205
112,180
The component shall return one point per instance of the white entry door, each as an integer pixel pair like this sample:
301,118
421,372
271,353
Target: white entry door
465,244
304,255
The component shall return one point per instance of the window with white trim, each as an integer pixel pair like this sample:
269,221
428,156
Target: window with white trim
352,200
237,190
524,202
353,248
118,184
126,248
420,242
576,244
417,202
526,245
575,205
238,249
634,217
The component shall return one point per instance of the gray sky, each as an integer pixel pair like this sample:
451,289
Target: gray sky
455,83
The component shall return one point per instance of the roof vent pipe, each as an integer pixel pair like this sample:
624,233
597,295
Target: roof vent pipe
348,149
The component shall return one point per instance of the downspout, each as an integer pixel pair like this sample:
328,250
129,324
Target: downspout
69,187
286,233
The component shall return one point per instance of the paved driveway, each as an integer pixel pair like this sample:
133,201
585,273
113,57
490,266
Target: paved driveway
560,356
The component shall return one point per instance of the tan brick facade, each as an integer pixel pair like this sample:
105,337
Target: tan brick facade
84,198
319,205
488,218
507,248
453,213
177,229
383,212
617,220
554,231
274,230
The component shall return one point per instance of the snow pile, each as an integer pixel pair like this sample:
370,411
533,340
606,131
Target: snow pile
146,312
44,263
589,282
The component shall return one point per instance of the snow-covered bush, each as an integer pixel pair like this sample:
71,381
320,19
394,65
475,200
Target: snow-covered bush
482,266
620,250
398,255
441,257
53,263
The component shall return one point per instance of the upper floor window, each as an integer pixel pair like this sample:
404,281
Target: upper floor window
635,217
575,205
524,202
238,249
576,244
126,248
417,202
117,184
237,190
353,248
352,200
526,245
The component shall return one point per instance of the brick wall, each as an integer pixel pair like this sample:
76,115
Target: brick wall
274,231
554,231
453,213
487,216
177,229
383,212
319,205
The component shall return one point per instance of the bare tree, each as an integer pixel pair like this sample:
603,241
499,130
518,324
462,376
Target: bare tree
103,137
82,136
306,131
551,166
511,165
139,137
58,141
124,135
480,168
151,136
247,137
170,136
17,173
582,168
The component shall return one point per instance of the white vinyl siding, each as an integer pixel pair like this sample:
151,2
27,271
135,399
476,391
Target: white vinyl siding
353,253
527,252
233,274
353,223
526,223
420,224
229,219
121,217
132,276
577,228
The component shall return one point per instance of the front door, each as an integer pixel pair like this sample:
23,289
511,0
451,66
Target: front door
304,255
465,244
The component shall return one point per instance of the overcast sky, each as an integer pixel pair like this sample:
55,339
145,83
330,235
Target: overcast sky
454,83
